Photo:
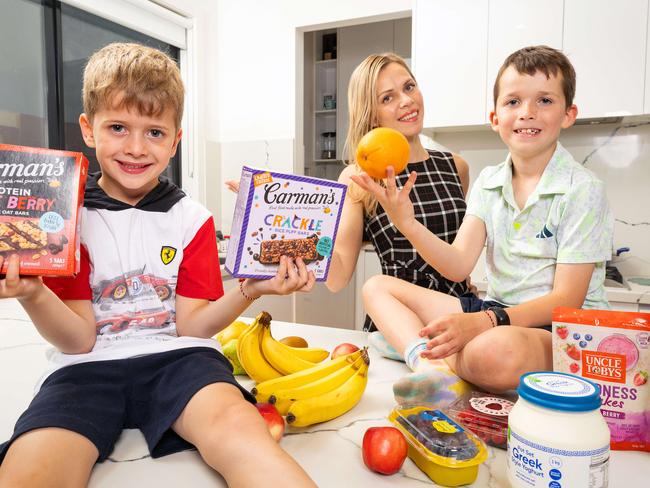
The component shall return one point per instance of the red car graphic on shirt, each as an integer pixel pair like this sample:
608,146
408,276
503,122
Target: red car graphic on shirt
118,288
144,319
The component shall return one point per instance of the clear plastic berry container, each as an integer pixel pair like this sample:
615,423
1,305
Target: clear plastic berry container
485,414
449,454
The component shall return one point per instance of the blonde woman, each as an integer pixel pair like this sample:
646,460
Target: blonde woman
383,93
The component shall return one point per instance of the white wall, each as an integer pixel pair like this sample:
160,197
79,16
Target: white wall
257,58
246,80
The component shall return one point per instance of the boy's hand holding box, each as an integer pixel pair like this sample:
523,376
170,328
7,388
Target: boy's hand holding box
279,214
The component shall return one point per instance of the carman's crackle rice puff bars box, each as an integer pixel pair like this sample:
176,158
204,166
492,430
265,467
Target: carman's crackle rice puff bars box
612,349
41,192
281,214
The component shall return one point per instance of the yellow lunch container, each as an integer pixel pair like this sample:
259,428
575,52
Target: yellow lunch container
443,449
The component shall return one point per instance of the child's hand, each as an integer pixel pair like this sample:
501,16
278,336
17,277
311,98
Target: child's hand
292,276
450,333
15,286
396,203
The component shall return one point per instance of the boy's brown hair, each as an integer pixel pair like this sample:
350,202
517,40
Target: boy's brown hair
529,60
132,76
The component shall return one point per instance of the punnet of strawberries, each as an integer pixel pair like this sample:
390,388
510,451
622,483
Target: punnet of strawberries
485,414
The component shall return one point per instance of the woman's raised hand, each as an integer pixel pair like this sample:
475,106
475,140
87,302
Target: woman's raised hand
396,203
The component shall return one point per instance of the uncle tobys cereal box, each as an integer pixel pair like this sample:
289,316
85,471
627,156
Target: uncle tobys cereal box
41,192
281,214
612,349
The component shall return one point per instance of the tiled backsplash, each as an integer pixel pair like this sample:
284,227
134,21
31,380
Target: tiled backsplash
619,154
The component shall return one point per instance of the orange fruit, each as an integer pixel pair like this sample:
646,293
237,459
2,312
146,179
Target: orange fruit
380,148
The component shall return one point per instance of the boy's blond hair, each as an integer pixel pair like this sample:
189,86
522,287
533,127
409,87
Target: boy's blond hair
532,59
362,114
132,76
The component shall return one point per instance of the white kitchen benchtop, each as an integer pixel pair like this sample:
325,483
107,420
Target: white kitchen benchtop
330,452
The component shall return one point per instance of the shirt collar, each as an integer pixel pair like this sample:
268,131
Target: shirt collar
555,179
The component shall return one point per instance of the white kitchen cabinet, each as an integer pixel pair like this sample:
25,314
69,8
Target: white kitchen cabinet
450,60
625,306
368,265
322,307
513,24
318,307
606,42
459,45
280,307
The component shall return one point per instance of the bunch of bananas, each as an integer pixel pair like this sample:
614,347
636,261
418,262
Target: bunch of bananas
264,358
320,393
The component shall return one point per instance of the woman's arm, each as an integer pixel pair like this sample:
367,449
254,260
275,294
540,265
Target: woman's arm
348,239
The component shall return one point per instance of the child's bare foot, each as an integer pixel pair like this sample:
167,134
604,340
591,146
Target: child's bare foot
431,382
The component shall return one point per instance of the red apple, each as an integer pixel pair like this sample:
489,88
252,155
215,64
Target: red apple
384,449
343,349
273,419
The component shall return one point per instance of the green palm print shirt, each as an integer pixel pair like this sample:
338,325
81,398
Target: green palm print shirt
565,220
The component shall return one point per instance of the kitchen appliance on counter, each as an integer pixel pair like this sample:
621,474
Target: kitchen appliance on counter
613,276
328,145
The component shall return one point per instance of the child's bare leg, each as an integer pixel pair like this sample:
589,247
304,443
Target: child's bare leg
232,438
49,457
400,310
495,359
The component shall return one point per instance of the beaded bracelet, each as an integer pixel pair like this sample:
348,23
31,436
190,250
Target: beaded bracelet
489,317
246,296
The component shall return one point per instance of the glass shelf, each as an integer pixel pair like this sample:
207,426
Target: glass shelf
325,112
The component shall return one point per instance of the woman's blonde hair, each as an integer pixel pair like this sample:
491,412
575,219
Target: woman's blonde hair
132,76
362,114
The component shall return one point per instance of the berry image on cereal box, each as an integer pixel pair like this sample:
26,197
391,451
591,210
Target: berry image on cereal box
41,192
279,214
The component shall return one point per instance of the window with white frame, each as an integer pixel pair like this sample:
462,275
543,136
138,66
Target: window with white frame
44,45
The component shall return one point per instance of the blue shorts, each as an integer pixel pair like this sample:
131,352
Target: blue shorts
98,399
471,303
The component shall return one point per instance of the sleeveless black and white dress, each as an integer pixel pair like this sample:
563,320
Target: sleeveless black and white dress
439,204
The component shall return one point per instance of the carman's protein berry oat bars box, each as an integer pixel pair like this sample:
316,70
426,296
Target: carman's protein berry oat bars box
281,214
612,349
41,193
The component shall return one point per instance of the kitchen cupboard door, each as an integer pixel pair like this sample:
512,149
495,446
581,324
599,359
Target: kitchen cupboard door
449,60
322,307
368,265
514,24
604,41
355,44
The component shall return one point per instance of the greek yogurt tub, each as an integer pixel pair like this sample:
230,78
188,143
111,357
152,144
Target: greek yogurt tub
556,434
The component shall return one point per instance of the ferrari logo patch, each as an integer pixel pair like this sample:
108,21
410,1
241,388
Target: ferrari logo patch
167,254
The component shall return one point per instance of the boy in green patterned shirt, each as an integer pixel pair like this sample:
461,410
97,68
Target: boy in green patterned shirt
548,230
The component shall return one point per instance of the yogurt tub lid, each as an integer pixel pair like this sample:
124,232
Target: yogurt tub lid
559,391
